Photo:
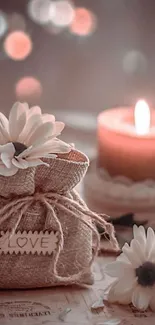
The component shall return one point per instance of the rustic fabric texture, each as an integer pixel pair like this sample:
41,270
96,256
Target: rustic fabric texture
44,198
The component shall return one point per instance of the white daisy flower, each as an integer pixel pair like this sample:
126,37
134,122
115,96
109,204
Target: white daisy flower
134,272
27,136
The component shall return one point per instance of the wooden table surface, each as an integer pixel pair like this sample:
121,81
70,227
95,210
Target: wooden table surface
50,306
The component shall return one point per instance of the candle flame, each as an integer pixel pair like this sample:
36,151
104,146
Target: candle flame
142,117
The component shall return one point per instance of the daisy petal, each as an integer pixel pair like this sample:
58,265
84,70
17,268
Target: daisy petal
4,127
42,145
50,147
117,269
139,231
20,164
4,171
42,131
59,146
135,231
136,248
58,128
150,235
48,118
121,287
140,236
35,110
125,297
40,142
123,258
122,297
126,282
9,148
128,279
151,256
33,122
150,241
141,297
112,294
17,120
6,159
26,106
142,231
130,255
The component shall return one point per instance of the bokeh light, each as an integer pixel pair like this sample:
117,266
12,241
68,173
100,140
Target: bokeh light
16,22
134,62
28,88
40,11
62,13
84,22
18,45
3,24
52,29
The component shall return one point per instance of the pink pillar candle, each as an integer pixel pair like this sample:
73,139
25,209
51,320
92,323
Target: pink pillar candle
125,148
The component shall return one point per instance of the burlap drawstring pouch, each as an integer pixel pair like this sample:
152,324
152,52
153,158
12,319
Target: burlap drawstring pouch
48,234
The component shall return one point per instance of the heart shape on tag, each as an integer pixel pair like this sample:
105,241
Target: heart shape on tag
21,242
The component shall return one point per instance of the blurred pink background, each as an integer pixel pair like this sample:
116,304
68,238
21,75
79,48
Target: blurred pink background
82,61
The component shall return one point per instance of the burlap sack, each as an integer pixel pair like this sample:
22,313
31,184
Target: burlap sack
41,199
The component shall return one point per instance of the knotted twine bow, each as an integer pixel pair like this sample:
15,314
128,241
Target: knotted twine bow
19,206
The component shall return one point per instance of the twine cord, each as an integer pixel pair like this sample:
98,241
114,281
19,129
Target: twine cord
18,207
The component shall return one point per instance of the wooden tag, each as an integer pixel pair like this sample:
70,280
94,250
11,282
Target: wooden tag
28,242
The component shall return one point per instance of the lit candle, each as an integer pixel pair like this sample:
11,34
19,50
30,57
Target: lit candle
142,118
126,138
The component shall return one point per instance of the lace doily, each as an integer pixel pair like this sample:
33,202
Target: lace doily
119,195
